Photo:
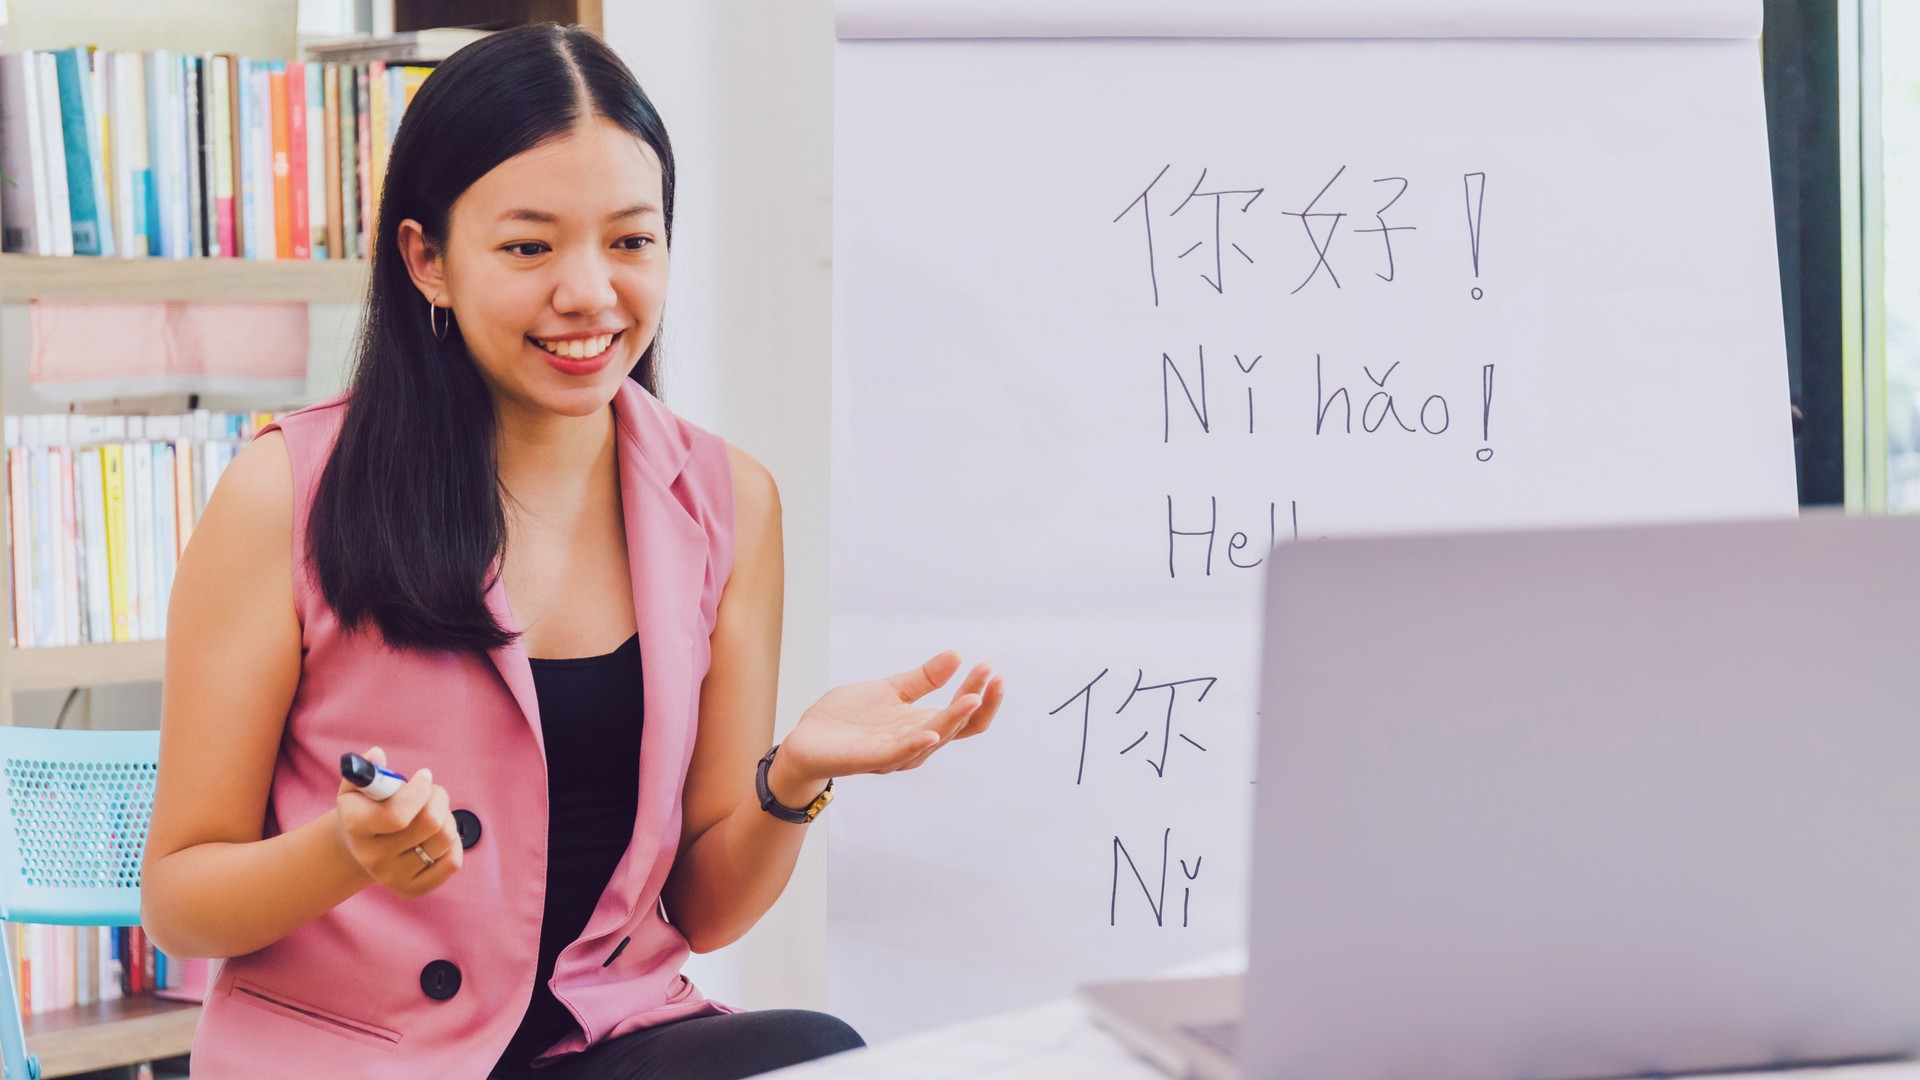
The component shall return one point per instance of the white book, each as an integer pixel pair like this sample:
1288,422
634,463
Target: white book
129,535
66,544
46,564
128,133
99,106
109,967
162,141
99,584
140,524
25,222
317,159
245,143
53,149
263,205
189,213
166,540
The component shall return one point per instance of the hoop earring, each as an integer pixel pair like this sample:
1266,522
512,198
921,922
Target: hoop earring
433,320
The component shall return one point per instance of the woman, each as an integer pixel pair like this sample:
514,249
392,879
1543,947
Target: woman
499,565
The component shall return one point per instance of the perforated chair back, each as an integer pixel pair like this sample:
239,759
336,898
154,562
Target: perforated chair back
74,808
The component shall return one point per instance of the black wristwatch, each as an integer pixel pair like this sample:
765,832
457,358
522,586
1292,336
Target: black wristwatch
778,809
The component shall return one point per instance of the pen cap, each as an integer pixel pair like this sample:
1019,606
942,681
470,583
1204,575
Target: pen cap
357,770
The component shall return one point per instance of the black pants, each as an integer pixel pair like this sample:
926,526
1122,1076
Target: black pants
708,1048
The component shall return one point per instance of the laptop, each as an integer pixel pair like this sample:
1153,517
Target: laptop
1585,803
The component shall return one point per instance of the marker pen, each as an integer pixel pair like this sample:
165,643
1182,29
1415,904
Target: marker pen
373,781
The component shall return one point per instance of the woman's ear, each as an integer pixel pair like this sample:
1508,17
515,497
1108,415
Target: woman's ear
426,266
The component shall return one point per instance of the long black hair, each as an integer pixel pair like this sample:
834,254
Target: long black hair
407,519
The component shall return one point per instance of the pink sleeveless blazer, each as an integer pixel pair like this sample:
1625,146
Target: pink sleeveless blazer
382,987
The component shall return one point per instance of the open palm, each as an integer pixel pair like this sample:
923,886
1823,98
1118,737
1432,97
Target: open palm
876,727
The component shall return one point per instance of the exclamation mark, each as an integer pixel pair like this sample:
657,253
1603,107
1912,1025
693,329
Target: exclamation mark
1486,406
1476,185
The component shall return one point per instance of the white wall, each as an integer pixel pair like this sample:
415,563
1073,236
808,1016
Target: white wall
746,89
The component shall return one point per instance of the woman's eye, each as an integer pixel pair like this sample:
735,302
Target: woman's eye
635,243
521,249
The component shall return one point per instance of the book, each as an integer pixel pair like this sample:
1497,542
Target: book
193,153
140,528
260,160
19,530
89,229
363,134
112,458
299,213
166,542
314,162
133,184
330,103
59,207
377,125
99,586
282,164
222,138
25,224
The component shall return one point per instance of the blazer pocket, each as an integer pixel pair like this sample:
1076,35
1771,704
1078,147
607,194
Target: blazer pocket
273,1002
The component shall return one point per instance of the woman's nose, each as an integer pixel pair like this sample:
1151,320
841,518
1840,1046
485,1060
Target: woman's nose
585,284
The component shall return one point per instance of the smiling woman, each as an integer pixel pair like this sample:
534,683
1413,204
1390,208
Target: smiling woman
557,604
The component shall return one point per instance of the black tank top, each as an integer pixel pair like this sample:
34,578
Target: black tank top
590,717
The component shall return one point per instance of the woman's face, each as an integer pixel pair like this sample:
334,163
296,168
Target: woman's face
556,269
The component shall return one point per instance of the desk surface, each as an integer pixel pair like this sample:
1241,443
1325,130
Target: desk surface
1059,1041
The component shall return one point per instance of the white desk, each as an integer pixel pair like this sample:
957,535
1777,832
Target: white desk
1058,1041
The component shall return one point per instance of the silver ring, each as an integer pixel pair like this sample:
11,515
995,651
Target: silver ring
421,850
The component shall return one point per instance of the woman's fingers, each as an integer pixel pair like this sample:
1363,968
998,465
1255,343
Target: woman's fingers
925,679
982,717
945,725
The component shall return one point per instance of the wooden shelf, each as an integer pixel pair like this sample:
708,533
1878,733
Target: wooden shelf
87,277
124,1031
65,666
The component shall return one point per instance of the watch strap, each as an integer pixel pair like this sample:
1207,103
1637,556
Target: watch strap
779,809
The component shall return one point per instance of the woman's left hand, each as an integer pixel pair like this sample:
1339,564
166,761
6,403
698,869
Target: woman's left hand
875,727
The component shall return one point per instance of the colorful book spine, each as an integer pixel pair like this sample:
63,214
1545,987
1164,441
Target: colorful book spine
313,160
112,458
221,122
283,211
81,159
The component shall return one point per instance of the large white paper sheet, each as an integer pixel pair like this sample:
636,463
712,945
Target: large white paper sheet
1112,317
1298,18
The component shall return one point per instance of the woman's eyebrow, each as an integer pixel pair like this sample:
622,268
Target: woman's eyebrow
541,217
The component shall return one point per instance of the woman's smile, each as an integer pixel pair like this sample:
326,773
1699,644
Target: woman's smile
578,356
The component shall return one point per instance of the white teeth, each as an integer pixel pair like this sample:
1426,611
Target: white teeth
578,349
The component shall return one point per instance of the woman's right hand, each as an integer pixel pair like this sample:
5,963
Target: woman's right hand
382,835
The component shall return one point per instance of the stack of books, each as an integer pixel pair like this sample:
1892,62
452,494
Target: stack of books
60,967
99,511
139,154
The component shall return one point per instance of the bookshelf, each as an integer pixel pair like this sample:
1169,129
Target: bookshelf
125,1031
24,278
38,277
130,1030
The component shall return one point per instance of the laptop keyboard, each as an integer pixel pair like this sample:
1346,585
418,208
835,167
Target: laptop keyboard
1222,1038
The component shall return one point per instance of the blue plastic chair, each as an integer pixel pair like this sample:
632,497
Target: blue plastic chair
74,808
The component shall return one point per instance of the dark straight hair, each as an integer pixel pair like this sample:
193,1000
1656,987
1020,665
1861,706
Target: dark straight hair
407,520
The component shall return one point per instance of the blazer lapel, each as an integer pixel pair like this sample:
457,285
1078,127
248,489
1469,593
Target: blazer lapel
511,659
666,557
